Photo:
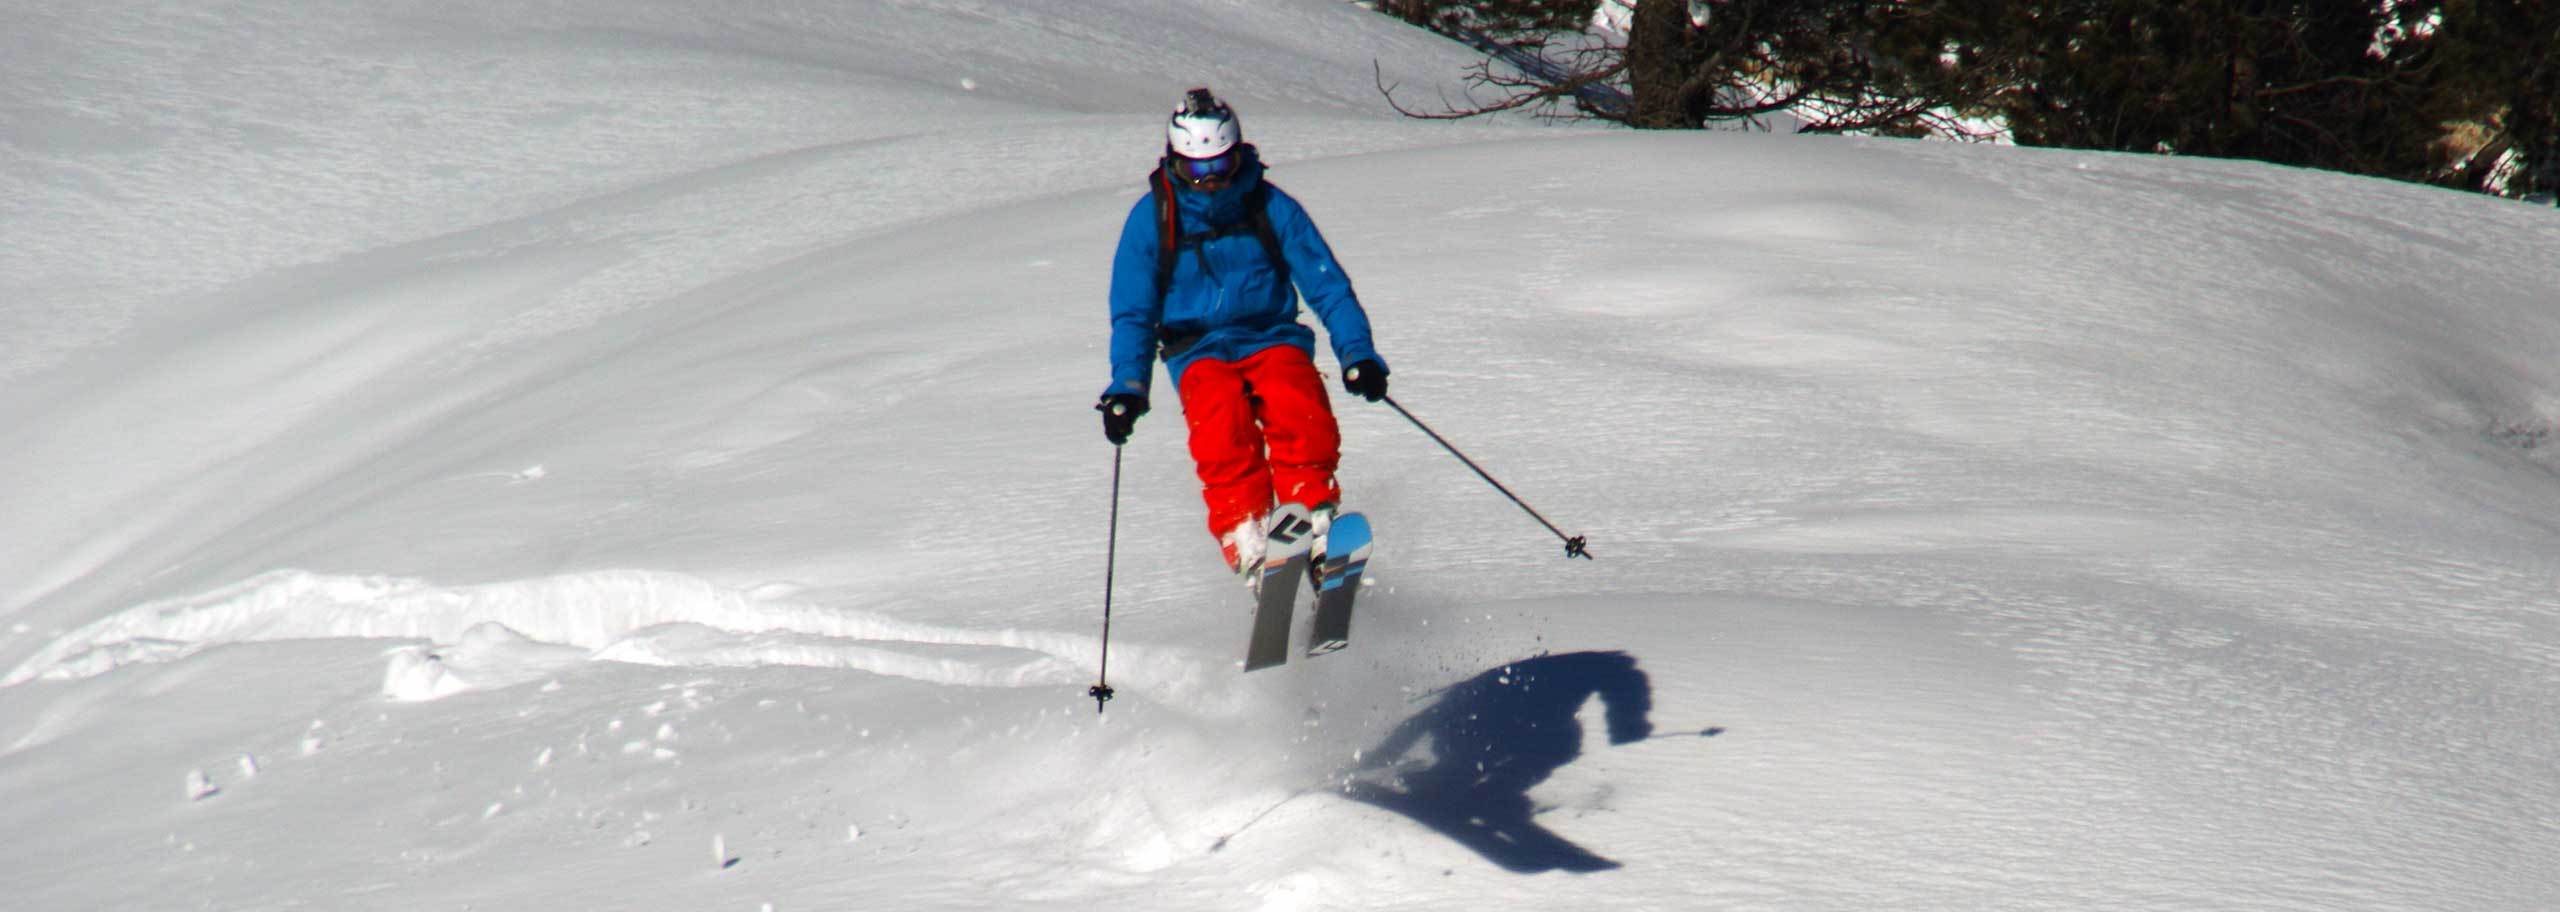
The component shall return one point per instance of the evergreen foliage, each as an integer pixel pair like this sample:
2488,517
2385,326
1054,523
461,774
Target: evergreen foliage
2462,93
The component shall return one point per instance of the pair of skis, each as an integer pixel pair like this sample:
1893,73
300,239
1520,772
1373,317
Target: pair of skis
1288,553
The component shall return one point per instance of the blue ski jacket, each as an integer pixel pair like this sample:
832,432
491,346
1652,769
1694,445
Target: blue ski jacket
1226,300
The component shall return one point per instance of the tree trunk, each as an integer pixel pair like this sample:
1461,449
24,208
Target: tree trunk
1662,55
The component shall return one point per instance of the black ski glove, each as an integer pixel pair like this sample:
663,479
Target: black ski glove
1366,379
1120,413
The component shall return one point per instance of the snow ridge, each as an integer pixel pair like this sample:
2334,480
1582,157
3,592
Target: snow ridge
633,616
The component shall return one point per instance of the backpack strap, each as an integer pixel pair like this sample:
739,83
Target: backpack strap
1168,231
1258,206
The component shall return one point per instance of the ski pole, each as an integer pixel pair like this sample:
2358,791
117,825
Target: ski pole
1573,544
1101,689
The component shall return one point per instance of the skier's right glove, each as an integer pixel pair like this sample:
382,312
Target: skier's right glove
1120,413
1367,380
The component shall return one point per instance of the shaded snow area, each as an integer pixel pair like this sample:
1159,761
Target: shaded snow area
639,456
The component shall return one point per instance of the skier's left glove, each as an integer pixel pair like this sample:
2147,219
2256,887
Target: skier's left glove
1366,379
1120,413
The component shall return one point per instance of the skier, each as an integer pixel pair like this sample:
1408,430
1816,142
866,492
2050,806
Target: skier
1208,273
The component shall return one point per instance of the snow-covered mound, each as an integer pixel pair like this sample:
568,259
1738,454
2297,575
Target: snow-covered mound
638,456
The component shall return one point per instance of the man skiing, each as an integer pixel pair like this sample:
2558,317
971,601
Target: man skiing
1208,273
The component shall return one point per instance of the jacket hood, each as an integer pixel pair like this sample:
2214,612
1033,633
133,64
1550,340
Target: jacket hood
1225,205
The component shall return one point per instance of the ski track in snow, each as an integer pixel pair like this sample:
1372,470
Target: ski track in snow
505,633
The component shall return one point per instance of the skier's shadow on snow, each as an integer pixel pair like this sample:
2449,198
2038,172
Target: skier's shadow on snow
1495,736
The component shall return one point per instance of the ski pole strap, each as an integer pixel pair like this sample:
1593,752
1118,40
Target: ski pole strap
1574,545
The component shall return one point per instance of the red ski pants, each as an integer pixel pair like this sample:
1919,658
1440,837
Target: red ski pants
1262,432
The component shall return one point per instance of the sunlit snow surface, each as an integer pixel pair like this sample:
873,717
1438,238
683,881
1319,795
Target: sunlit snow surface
626,456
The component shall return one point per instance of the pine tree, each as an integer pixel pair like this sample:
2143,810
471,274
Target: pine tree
2499,87
2458,92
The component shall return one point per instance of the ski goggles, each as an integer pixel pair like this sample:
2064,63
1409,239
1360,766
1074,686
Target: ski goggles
1205,173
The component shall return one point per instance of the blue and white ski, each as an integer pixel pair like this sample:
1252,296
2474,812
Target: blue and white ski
1285,545
1337,573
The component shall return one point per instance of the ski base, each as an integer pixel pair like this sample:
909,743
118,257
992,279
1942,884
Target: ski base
1337,575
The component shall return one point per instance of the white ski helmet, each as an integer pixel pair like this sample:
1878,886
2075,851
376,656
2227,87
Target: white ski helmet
1203,127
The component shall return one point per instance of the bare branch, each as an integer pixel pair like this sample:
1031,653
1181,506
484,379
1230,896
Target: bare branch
1517,90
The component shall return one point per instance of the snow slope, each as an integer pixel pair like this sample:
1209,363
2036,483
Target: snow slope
636,456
